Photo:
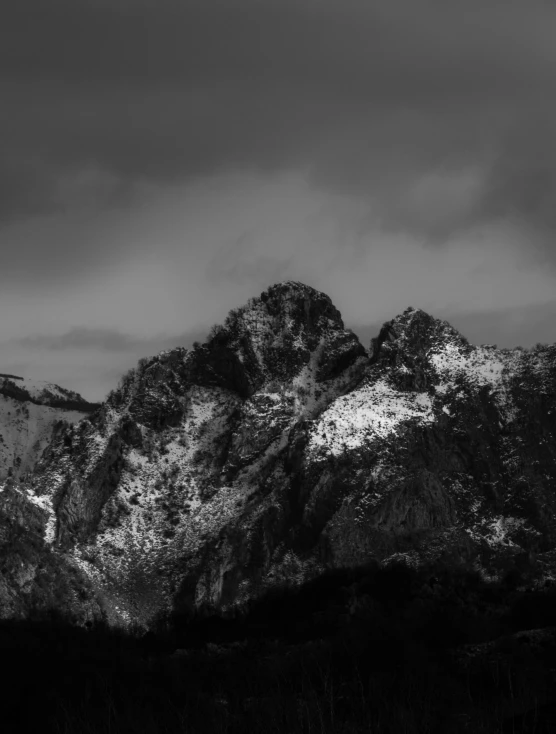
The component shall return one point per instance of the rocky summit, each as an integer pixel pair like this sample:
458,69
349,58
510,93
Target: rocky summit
280,448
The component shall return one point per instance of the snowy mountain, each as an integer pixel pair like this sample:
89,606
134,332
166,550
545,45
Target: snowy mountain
281,447
29,413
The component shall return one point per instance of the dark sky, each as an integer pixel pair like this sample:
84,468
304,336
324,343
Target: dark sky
163,160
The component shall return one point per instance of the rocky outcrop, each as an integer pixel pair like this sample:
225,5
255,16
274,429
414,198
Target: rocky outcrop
280,447
30,413
414,459
33,577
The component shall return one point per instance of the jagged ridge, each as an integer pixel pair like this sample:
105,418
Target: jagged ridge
280,447
29,414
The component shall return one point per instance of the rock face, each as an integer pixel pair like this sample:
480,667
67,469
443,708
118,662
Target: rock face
281,447
32,577
29,414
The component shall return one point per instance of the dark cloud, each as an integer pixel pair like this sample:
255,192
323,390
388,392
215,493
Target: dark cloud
372,98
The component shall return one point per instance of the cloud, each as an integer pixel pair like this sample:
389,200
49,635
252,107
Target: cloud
508,327
164,160
109,340
89,361
404,104
234,264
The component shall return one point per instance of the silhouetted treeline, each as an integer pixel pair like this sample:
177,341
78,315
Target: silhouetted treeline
454,604
365,650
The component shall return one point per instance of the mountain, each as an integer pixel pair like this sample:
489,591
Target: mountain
280,448
29,413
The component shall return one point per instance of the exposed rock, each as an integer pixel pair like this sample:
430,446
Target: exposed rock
30,413
33,577
279,448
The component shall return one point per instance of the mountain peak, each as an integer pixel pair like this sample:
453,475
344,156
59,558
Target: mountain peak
408,345
294,286
416,333
301,301
275,335
275,449
291,329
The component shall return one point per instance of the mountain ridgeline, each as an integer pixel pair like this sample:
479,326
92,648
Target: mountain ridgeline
29,414
281,449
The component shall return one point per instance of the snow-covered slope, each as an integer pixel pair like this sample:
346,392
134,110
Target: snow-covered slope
281,447
32,414
29,412
41,393
181,449
451,442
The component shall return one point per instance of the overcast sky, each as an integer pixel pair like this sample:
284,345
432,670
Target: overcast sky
161,161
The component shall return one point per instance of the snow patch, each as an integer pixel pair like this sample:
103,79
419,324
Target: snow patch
373,411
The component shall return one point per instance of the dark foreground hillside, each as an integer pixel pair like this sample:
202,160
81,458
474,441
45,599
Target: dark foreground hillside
375,650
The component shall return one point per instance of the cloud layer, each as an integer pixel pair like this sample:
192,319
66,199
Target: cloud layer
373,97
162,161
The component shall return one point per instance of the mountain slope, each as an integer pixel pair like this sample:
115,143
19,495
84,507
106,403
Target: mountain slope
454,442
31,415
281,447
29,412
180,450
